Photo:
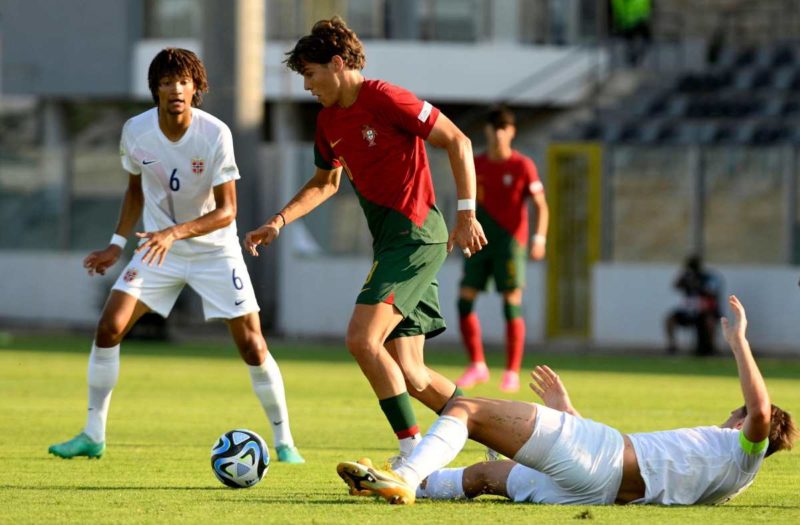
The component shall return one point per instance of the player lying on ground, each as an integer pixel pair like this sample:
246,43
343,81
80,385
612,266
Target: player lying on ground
182,182
561,458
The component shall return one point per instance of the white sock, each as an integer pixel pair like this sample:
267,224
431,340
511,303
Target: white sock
102,377
407,445
440,446
268,387
447,483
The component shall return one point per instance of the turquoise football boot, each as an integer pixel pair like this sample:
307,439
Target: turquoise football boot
80,445
289,454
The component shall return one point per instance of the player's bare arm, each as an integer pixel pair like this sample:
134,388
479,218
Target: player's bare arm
132,203
468,233
158,243
539,241
320,188
548,386
756,398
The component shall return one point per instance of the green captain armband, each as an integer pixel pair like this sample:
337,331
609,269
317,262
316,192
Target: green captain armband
750,447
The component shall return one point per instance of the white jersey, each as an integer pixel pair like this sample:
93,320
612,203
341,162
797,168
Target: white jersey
178,177
703,465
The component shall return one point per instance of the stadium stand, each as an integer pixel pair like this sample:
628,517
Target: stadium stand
750,96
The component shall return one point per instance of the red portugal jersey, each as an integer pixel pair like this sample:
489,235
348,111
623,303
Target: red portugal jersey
503,189
379,143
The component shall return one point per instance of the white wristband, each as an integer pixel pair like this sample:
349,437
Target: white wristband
118,240
466,204
539,239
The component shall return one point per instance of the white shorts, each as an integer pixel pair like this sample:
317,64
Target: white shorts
576,461
221,280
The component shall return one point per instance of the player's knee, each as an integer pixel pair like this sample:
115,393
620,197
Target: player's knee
362,345
253,349
110,331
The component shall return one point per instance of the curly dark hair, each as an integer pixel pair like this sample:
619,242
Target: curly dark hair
328,38
173,61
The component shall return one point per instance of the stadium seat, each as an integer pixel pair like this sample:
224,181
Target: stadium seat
784,55
782,78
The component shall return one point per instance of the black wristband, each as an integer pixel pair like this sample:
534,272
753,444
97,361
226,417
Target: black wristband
279,214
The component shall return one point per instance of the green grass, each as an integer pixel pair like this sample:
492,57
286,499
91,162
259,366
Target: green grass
172,401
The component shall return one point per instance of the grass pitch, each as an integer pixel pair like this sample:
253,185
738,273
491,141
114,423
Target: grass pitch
173,400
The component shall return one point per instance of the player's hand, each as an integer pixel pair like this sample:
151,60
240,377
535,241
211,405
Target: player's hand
548,386
467,235
99,261
262,236
734,331
156,246
537,251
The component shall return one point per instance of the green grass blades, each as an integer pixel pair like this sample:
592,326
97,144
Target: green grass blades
173,400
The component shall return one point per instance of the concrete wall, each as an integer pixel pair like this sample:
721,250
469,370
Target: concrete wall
523,74
68,48
51,288
629,302
317,294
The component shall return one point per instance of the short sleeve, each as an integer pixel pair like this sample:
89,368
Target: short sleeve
534,184
129,163
324,157
407,112
224,168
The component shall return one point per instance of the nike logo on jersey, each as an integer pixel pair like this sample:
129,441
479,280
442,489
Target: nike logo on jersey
237,303
333,144
364,289
276,423
146,162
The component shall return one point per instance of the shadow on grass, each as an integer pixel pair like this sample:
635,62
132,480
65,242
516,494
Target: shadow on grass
722,365
94,489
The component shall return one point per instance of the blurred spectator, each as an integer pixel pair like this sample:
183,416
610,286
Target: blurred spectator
631,21
701,289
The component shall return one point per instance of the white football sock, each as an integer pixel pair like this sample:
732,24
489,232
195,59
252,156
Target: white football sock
407,445
102,377
447,483
440,446
268,386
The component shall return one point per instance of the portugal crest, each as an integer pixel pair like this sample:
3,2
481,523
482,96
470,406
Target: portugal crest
369,134
198,165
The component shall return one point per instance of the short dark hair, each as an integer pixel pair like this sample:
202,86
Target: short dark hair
328,38
174,61
500,116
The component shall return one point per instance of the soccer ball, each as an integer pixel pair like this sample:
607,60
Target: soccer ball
240,458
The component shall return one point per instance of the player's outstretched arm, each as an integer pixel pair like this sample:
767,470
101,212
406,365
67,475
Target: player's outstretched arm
756,398
99,261
548,386
320,188
468,232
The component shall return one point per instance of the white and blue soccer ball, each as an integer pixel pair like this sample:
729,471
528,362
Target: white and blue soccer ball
240,458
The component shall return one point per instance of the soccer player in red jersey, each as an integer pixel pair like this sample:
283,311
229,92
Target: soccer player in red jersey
505,179
374,132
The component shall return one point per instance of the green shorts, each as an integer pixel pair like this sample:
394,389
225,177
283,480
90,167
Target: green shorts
405,276
503,259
